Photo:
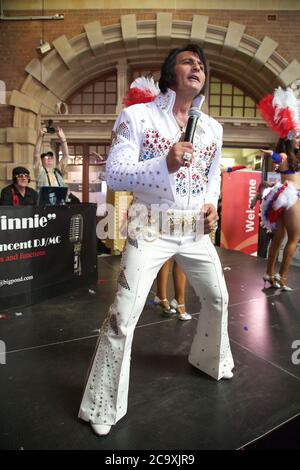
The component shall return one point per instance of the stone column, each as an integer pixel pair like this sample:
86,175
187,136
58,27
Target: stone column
122,83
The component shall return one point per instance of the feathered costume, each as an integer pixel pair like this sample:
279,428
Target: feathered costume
281,112
142,90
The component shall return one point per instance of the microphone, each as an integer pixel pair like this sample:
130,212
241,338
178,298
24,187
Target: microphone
75,236
194,114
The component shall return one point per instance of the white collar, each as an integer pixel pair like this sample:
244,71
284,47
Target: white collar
165,101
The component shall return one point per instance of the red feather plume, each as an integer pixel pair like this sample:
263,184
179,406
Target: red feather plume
137,95
283,122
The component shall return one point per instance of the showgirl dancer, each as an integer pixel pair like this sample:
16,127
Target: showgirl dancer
280,208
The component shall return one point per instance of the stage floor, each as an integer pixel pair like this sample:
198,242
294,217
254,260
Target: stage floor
171,404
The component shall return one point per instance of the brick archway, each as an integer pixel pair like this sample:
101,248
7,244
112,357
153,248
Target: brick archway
254,65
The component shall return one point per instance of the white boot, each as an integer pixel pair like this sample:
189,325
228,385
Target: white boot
101,429
228,375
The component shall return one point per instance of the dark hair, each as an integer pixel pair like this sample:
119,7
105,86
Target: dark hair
51,154
293,156
167,76
19,170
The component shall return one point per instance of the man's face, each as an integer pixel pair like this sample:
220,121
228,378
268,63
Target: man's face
48,162
189,73
22,180
52,199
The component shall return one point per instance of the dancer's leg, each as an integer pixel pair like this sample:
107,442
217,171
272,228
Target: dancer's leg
275,244
162,285
179,280
291,220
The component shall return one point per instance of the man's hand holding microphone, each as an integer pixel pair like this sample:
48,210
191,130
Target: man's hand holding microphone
182,153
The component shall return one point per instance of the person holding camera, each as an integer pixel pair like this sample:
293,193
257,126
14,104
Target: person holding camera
18,193
46,172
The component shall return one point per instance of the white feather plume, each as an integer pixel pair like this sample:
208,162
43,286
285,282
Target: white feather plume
287,198
285,99
146,83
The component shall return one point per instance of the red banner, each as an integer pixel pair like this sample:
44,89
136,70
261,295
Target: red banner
240,223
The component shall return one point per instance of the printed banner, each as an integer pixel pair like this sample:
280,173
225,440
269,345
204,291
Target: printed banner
44,246
240,223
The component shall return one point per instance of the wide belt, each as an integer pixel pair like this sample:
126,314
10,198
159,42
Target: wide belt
170,223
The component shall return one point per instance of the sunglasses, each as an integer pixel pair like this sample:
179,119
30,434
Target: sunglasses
21,175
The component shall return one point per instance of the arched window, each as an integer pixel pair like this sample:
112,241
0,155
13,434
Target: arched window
227,100
98,97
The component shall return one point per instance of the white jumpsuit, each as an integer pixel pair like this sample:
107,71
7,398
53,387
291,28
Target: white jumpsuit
143,136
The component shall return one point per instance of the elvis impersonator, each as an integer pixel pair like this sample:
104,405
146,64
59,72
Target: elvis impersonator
176,185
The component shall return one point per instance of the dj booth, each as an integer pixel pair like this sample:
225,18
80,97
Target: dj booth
45,251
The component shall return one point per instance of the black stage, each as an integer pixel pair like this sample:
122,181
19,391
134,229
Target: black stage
171,404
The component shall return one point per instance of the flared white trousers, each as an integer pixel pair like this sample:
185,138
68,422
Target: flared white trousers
106,391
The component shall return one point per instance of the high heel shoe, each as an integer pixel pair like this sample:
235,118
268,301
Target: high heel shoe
164,305
282,283
181,316
272,281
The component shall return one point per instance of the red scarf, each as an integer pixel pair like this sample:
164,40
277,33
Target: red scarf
15,198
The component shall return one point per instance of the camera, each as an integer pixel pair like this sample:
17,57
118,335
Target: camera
50,128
